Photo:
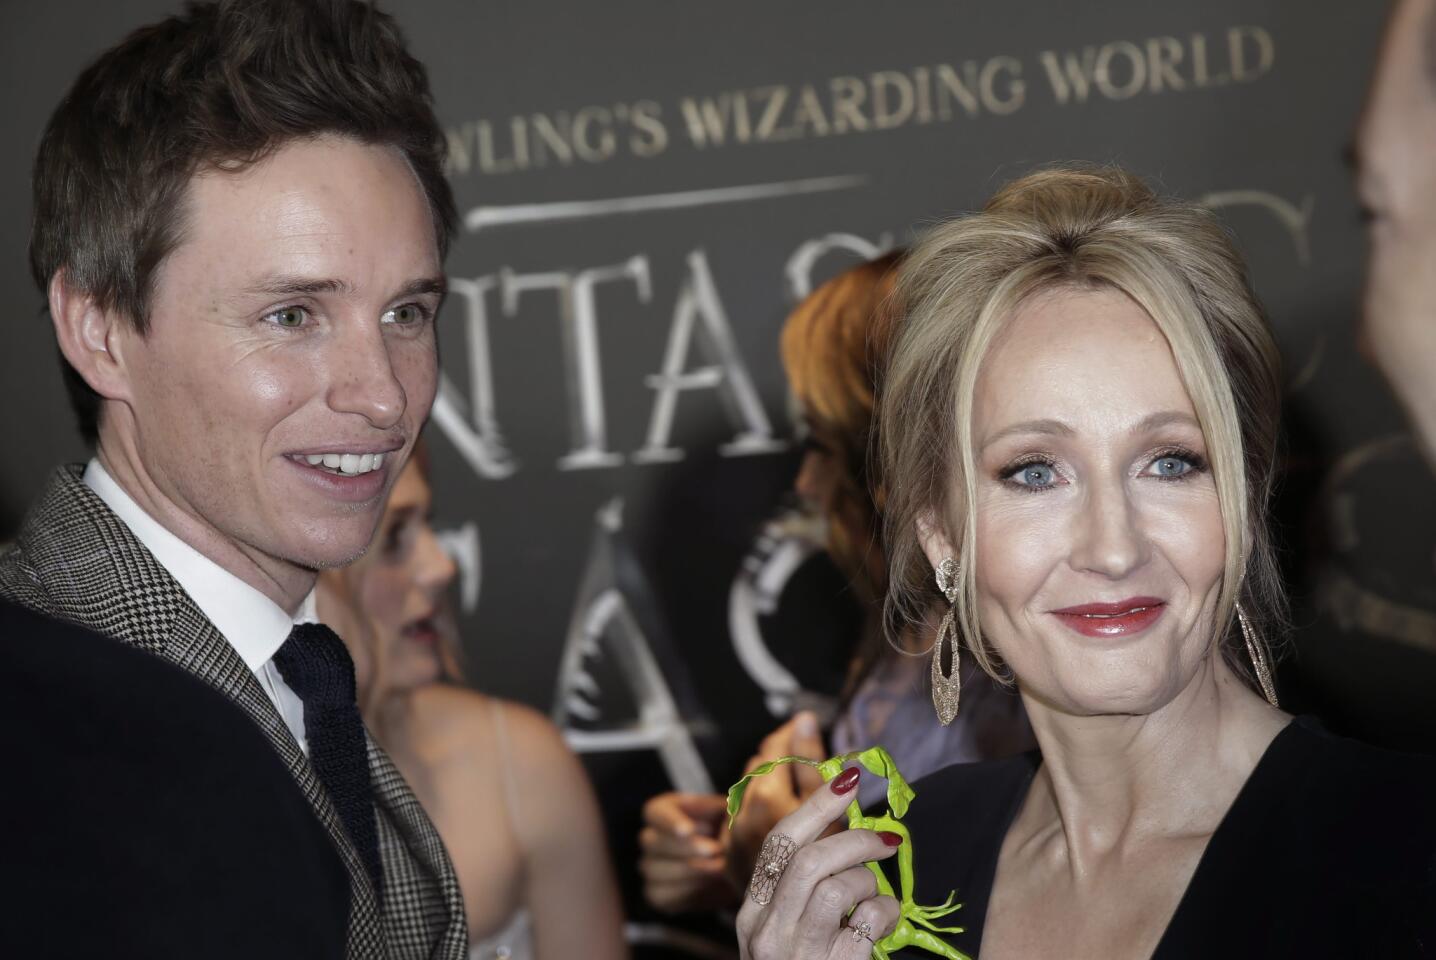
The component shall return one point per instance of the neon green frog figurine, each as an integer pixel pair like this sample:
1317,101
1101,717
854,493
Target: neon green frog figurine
916,926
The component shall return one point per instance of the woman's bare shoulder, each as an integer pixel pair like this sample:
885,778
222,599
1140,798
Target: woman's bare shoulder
537,748
458,720
446,710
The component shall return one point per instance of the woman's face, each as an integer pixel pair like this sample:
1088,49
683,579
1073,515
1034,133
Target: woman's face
820,473
393,596
1100,545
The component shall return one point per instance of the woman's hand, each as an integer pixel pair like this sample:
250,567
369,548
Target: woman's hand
682,857
771,798
824,903
688,861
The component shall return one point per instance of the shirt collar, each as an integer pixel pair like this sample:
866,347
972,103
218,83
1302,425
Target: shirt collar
253,624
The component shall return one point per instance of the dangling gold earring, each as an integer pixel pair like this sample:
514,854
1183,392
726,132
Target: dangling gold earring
1259,663
946,689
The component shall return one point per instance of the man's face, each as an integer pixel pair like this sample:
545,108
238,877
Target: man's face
293,321
1397,182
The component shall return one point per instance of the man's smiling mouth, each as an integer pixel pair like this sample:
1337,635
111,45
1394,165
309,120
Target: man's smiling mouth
344,464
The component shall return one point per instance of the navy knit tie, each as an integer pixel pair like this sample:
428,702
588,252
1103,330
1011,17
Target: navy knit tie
316,666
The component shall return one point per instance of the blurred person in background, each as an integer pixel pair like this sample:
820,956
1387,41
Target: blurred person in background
1396,180
833,345
512,803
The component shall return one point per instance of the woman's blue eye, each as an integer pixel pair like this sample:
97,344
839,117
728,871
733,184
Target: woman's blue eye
1035,475
1170,467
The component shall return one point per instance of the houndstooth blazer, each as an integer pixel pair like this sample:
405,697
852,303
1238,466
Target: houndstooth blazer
75,560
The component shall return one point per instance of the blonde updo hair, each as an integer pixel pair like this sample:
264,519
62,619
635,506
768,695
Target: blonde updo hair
1080,228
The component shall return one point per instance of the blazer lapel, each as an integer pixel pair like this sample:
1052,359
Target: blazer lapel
423,883
201,649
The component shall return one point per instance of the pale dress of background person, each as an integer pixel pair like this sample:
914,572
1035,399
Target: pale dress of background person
833,344
512,803
1079,430
1396,180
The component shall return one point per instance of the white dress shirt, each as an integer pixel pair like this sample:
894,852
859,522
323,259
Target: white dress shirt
253,624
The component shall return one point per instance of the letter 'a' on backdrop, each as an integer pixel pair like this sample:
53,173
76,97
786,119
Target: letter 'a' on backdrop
646,189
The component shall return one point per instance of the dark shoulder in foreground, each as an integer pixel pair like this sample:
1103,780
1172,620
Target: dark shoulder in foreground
149,816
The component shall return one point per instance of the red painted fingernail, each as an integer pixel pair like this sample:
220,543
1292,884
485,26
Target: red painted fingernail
890,838
846,780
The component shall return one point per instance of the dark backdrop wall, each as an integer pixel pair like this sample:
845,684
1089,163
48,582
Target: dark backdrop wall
646,189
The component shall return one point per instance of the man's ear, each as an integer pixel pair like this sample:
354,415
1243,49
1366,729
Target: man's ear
90,337
933,538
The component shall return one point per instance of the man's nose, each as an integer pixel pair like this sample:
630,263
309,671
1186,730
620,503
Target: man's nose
362,379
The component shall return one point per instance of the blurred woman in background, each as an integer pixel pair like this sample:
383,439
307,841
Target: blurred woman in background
833,345
510,800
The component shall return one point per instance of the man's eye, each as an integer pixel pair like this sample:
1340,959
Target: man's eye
287,317
406,315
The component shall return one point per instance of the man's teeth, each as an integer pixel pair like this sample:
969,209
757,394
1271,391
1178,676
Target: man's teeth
349,464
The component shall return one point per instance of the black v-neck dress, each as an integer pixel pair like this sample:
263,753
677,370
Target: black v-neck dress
1329,850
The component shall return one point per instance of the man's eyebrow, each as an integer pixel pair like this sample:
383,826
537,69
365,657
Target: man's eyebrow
289,285
280,284
437,286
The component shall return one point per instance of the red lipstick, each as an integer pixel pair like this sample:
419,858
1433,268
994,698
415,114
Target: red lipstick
1120,619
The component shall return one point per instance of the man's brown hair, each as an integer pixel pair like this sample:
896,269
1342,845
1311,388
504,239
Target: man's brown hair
222,84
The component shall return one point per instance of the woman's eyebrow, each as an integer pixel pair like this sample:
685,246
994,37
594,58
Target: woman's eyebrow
402,515
1166,418
1055,428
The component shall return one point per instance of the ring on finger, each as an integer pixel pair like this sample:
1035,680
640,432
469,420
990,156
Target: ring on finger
862,930
773,859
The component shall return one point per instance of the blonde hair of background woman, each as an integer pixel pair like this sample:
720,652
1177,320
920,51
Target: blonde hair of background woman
1082,228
